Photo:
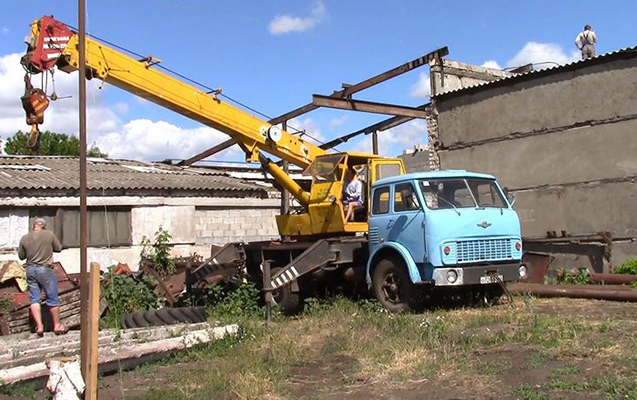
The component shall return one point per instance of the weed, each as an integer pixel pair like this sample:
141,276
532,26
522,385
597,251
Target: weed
157,254
529,393
125,294
538,360
582,277
629,267
22,390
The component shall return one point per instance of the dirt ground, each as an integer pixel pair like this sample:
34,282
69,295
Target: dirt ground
603,365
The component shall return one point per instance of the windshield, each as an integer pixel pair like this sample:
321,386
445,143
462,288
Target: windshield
325,168
461,193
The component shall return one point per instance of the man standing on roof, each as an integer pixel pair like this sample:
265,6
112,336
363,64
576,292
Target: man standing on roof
37,248
585,41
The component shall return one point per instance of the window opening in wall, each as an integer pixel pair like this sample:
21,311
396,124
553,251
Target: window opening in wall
106,227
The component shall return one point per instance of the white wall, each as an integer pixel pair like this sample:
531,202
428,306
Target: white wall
14,223
179,221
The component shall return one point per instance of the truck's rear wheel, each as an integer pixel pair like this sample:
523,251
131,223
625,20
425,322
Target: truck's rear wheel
289,302
393,287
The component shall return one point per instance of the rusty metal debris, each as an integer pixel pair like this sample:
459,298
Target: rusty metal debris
599,292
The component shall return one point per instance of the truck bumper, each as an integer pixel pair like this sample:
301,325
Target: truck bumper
475,275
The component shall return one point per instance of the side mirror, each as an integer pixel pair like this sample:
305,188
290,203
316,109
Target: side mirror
510,197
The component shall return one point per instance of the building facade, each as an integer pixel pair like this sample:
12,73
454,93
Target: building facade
130,200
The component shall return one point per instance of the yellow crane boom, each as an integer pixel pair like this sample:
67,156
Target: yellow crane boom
54,43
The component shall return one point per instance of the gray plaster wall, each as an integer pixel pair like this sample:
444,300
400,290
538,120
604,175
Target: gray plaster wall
581,154
556,101
564,143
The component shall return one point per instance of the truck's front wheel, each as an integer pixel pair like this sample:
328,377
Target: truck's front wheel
393,287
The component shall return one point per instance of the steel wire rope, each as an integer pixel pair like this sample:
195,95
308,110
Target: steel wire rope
210,89
108,239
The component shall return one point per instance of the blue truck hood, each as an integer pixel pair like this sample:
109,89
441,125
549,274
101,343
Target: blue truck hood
479,223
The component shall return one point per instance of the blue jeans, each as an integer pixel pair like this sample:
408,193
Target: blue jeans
42,277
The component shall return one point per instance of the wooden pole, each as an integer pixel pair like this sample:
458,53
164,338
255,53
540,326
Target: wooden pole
93,332
83,189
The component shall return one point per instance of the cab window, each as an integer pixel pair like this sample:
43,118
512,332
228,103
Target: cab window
405,198
381,201
387,170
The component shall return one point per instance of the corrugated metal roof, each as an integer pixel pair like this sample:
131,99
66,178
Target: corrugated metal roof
628,52
49,173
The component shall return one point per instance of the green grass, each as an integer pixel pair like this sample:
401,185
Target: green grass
388,350
22,390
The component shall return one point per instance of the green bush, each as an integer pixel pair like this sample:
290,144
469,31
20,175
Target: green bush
157,254
583,277
125,294
627,268
227,301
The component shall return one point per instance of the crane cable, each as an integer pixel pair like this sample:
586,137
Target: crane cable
184,77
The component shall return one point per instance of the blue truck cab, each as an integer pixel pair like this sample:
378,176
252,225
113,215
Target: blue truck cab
443,230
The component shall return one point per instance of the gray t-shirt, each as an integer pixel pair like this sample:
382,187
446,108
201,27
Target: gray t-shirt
38,247
353,191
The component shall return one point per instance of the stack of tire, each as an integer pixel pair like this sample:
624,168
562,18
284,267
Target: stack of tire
163,316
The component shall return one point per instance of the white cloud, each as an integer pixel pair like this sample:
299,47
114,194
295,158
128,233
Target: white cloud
158,140
311,128
491,64
337,122
534,53
422,88
5,30
62,115
136,139
286,23
393,141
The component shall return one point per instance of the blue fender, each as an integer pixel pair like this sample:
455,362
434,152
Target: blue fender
414,274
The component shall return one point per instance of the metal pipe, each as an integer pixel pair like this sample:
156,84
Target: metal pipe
574,291
613,279
284,179
84,286
285,195
375,142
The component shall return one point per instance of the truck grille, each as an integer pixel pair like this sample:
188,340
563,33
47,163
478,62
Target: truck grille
483,250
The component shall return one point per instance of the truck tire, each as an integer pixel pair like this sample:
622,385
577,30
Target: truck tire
163,316
393,288
289,302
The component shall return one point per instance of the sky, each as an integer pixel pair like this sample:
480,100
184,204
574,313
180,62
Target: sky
273,55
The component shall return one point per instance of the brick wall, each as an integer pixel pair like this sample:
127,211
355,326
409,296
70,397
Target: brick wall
223,224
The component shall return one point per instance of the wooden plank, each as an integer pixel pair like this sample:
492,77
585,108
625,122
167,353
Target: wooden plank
132,352
93,331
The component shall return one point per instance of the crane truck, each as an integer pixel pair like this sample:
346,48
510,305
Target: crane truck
435,232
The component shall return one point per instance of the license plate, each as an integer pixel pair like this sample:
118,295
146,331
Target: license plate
490,279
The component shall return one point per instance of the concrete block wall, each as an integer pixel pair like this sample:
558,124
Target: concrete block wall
564,143
225,224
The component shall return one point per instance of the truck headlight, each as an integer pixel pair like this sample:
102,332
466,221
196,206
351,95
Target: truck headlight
447,250
522,271
452,276
518,246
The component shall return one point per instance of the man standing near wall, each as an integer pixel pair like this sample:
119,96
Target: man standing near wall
585,41
37,248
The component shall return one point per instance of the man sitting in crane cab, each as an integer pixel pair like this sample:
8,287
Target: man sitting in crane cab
352,194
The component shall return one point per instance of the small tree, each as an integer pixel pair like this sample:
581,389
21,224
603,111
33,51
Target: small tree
51,144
